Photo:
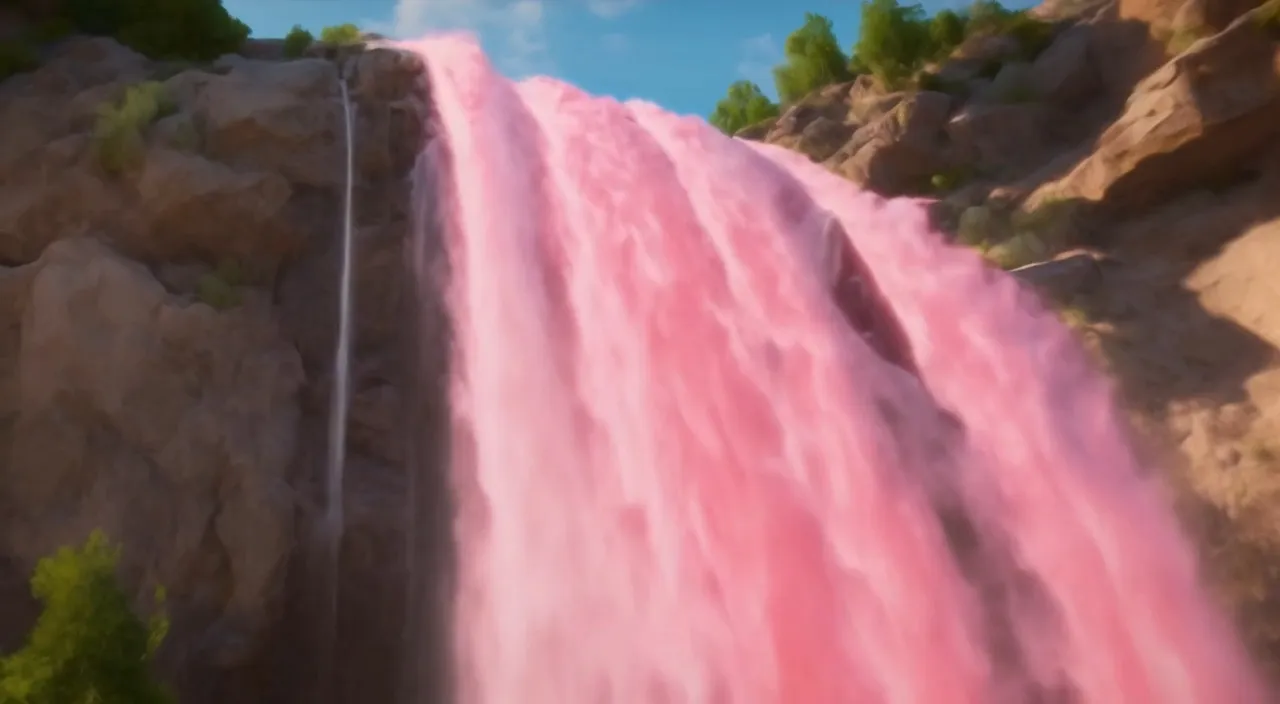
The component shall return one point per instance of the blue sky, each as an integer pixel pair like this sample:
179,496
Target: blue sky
681,54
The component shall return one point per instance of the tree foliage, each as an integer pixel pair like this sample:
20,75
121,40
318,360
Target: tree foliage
195,30
947,30
813,59
745,105
88,647
340,34
894,39
297,41
897,40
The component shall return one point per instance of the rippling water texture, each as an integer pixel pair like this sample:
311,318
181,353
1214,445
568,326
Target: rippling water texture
729,431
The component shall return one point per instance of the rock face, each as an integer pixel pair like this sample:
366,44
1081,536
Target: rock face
1195,120
167,424
166,334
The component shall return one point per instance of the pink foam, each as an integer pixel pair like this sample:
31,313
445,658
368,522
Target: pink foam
682,476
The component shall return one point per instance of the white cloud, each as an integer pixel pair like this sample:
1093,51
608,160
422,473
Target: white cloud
615,42
610,9
512,29
759,55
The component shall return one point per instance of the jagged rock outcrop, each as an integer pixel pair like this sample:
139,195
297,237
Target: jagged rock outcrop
1194,121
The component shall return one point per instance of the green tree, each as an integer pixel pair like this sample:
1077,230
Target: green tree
297,41
340,34
813,59
895,40
194,30
88,647
745,105
987,16
946,31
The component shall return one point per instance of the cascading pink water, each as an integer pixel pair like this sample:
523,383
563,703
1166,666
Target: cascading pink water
683,476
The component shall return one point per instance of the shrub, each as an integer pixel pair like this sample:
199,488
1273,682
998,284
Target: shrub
341,34
198,30
297,41
745,105
813,59
16,57
118,132
220,288
88,646
946,31
894,41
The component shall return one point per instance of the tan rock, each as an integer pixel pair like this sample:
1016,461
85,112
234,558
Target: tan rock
1214,15
1198,117
160,421
280,117
868,100
191,206
900,151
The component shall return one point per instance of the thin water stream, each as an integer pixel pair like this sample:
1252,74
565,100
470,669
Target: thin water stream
335,467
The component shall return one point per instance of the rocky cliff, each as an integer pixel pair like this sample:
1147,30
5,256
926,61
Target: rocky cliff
1130,171
169,243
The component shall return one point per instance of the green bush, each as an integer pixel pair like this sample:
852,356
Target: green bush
197,30
745,105
220,288
118,132
813,59
88,646
297,41
341,34
946,30
896,41
16,57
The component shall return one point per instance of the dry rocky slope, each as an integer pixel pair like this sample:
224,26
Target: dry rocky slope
1131,173
166,332
166,325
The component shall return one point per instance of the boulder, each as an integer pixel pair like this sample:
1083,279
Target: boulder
900,151
1202,116
1065,73
868,100
999,137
